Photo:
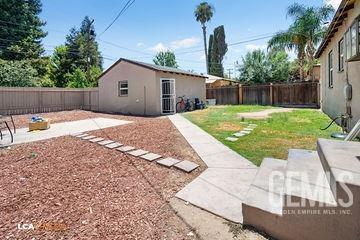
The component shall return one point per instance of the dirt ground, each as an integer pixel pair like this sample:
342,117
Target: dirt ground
66,188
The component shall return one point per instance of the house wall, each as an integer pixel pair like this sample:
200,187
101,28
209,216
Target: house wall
143,94
189,86
332,99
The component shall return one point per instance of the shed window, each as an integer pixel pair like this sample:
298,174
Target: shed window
331,70
341,55
123,88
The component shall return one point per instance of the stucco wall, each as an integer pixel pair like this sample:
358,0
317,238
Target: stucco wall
142,95
189,86
333,99
144,89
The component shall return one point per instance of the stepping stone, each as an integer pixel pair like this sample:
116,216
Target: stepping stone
125,148
76,134
168,162
150,157
113,145
238,134
252,125
231,139
245,132
105,142
248,129
88,137
82,135
138,153
186,166
94,140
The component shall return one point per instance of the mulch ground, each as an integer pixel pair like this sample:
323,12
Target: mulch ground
72,189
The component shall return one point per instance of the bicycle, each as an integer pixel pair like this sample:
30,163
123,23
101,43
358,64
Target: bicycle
184,105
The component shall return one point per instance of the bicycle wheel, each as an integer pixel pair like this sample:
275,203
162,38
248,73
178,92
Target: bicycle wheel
191,106
180,107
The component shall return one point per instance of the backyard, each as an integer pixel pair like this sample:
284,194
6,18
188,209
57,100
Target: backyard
272,137
69,188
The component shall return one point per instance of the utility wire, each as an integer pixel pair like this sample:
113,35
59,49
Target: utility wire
127,5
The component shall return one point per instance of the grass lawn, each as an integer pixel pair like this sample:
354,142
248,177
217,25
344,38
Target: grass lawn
272,138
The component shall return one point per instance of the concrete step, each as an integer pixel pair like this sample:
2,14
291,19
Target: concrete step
263,204
306,182
342,160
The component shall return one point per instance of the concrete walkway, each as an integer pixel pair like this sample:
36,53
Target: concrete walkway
61,129
222,187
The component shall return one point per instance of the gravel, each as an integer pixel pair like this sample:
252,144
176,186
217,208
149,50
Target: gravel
69,188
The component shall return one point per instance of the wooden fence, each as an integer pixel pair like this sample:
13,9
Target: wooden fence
301,94
35,100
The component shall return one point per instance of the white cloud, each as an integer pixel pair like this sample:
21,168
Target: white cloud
160,47
184,43
202,57
252,47
140,44
176,45
334,3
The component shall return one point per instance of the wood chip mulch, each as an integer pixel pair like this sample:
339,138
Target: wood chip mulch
69,188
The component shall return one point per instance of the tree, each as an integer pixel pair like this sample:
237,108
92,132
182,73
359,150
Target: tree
167,59
17,74
60,66
218,51
211,40
203,14
305,32
21,29
255,67
312,21
279,66
80,51
77,79
82,46
292,39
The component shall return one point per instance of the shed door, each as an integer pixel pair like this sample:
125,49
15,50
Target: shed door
168,97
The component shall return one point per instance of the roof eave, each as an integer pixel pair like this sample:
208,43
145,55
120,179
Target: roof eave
336,22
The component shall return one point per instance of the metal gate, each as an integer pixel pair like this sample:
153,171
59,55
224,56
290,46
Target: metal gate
168,97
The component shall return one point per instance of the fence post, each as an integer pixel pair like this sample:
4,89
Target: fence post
240,94
271,94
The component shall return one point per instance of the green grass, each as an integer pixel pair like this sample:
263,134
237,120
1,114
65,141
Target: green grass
272,138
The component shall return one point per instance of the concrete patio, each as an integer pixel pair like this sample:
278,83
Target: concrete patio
61,129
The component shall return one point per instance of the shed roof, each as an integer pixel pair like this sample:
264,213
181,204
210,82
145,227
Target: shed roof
339,17
212,79
154,68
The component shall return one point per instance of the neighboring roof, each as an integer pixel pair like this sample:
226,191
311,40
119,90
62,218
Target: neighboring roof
154,68
340,15
212,79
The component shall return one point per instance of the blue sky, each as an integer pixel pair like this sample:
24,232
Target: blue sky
152,25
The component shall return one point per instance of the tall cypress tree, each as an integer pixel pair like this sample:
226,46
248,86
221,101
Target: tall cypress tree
219,49
211,40
21,29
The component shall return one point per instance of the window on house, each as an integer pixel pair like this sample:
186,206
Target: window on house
354,37
341,55
348,44
123,88
331,70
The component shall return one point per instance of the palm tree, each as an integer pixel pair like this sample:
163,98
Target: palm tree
292,39
312,20
203,13
304,34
